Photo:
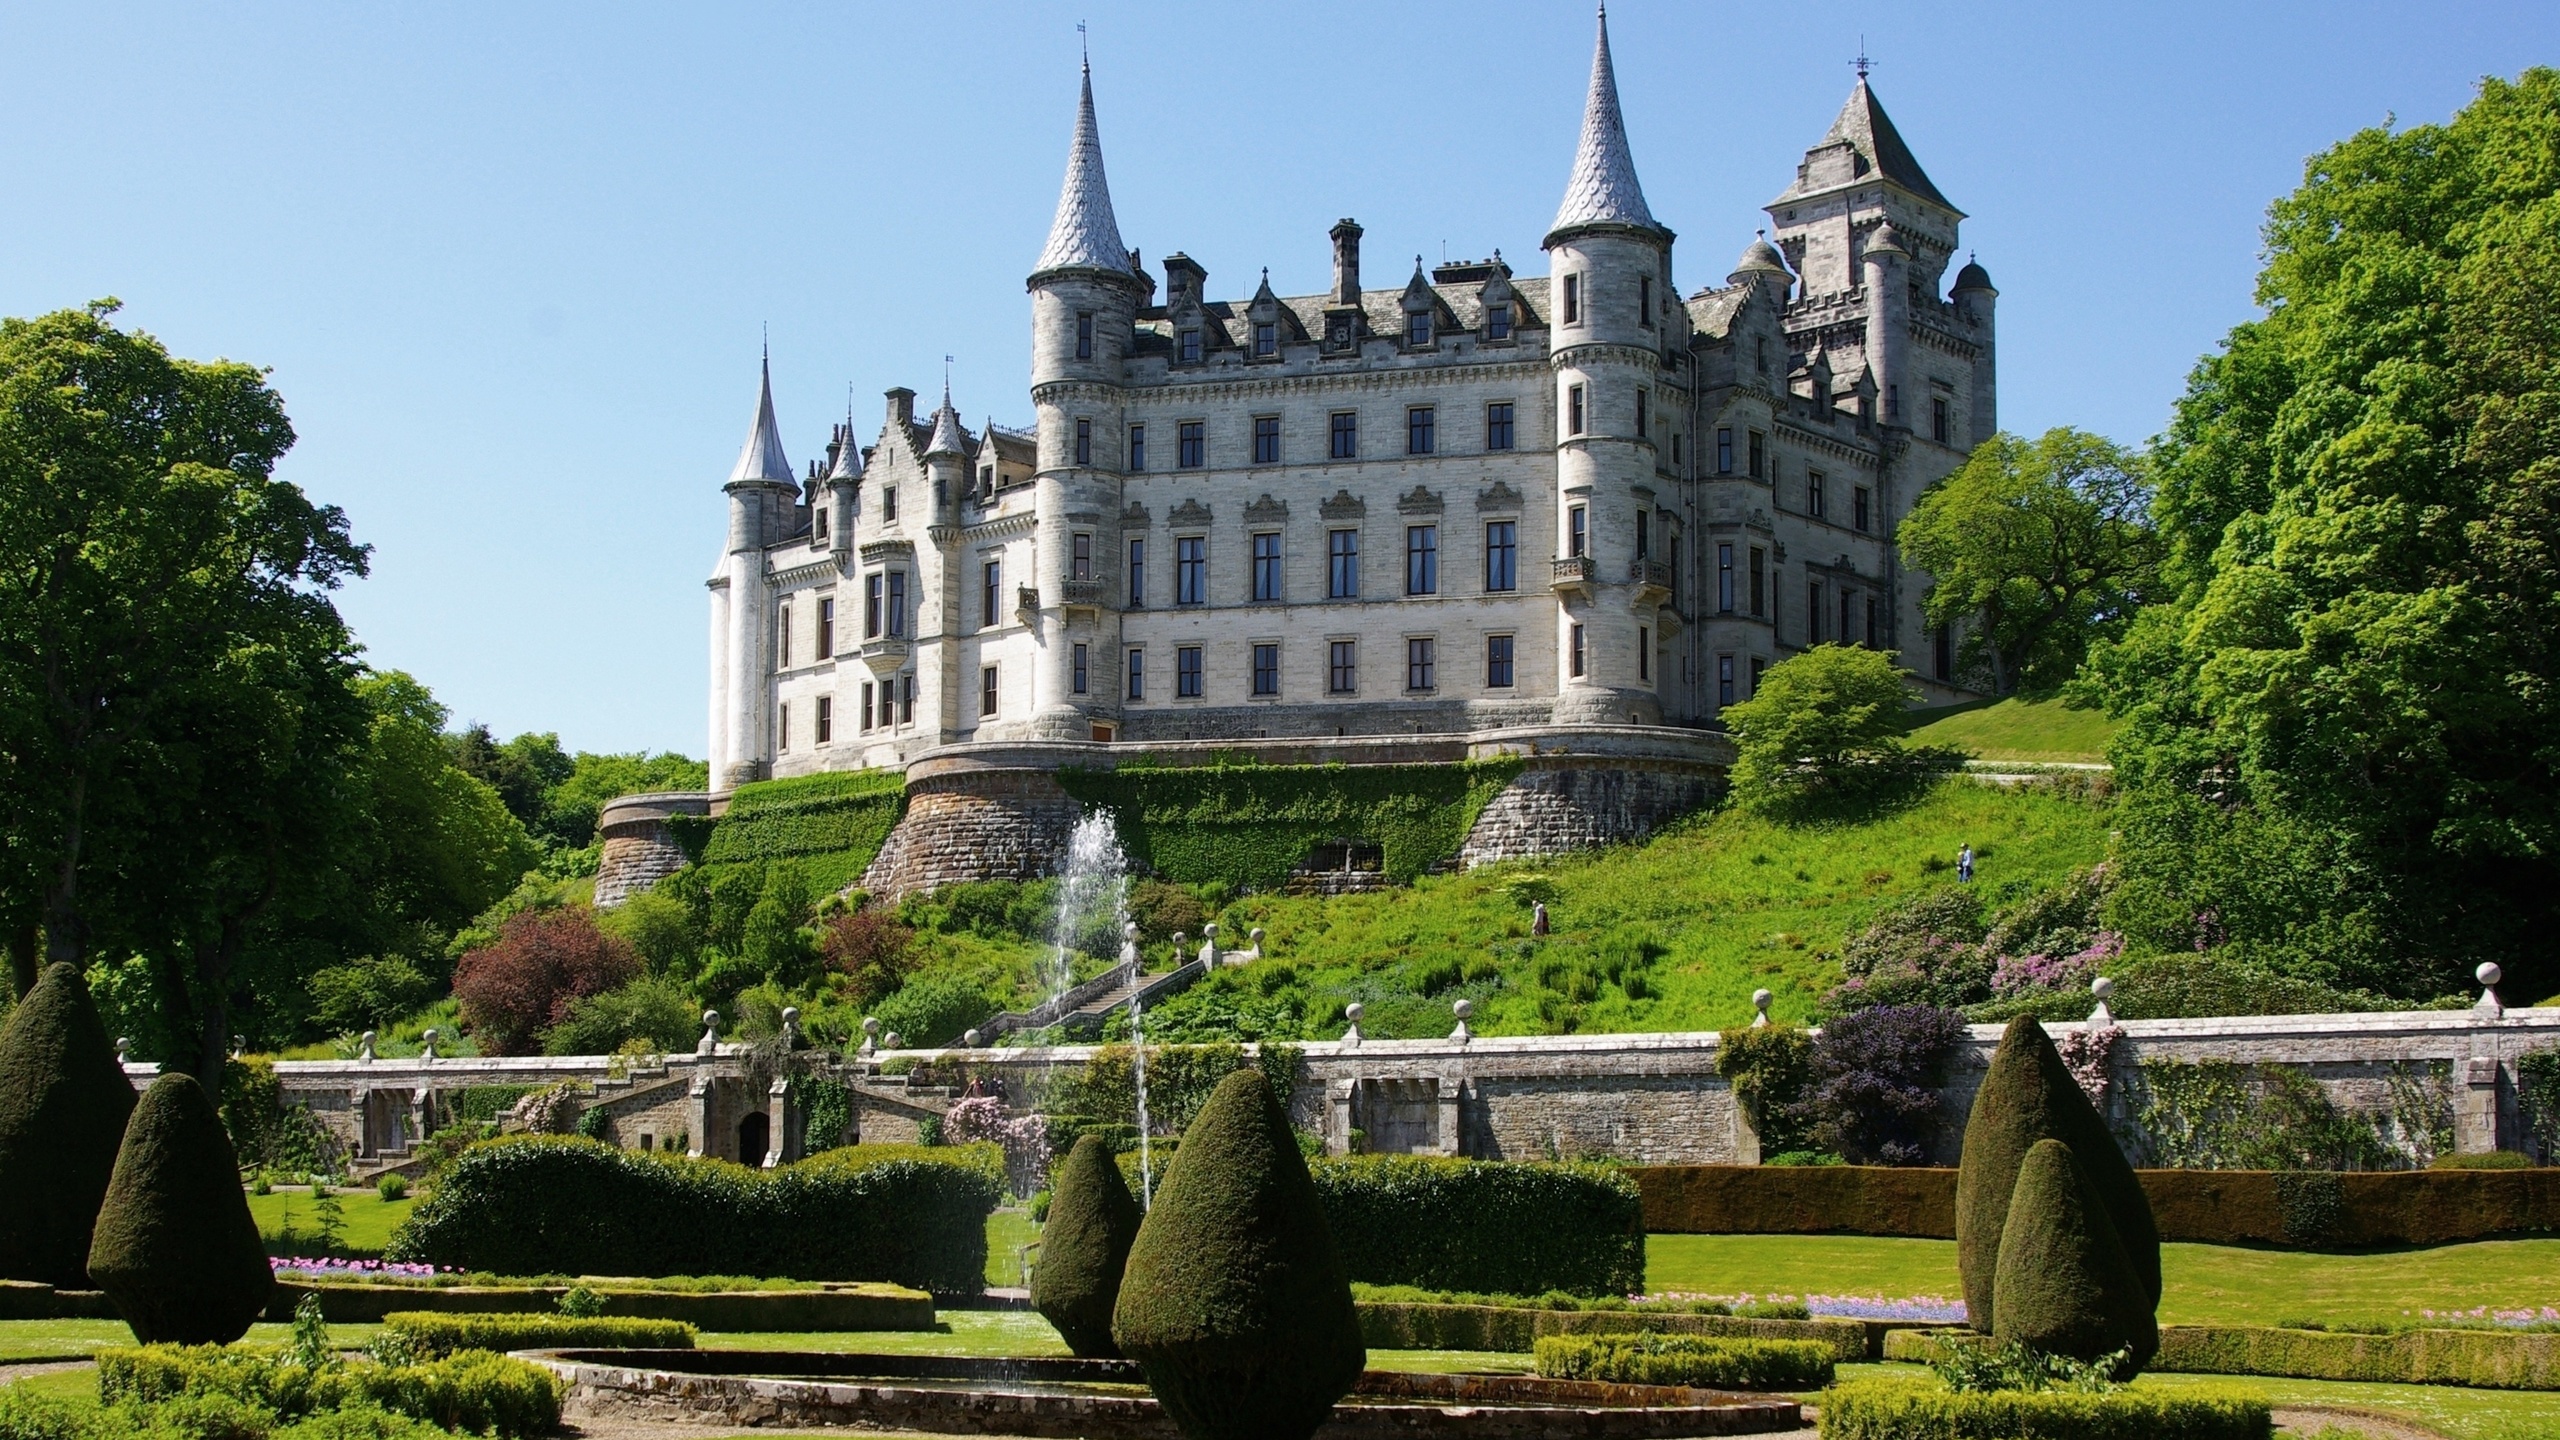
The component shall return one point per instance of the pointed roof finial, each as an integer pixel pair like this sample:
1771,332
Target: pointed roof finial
848,463
1603,189
761,458
1862,64
1085,235
946,422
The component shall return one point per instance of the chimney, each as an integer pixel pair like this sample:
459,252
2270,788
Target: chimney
1346,261
902,405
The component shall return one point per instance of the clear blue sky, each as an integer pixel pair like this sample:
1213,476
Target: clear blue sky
510,263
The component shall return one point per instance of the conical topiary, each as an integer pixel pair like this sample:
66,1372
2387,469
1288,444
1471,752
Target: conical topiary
1084,1248
2029,1095
2065,1285
1234,1299
176,1249
63,1105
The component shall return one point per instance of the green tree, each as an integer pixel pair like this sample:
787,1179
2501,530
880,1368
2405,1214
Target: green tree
2036,548
2342,749
1823,730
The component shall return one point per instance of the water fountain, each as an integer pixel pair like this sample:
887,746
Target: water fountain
1093,898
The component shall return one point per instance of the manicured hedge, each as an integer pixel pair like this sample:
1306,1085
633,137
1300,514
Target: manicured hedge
441,1335
833,1308
539,1205
841,815
2484,1359
476,1391
1448,1224
1901,1410
1506,1328
1709,1364
2306,1209
1249,825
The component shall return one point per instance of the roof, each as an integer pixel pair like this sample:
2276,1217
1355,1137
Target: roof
1603,188
1711,312
950,437
1761,255
1086,235
1973,277
1461,307
1865,127
848,459
761,458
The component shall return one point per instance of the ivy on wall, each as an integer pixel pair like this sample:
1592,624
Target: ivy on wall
2538,1096
833,822
1249,825
2220,1115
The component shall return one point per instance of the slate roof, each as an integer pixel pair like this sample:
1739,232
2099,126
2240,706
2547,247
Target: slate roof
1869,131
1603,188
761,458
848,461
1086,235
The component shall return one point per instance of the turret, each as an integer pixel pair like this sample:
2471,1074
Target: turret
1888,303
1973,297
839,489
1610,293
1762,265
761,495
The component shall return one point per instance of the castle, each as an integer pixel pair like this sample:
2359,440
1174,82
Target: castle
1473,502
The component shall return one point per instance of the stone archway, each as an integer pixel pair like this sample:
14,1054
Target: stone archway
755,1138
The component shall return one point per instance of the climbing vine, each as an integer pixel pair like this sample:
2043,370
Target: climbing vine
2219,1115
835,822
2538,1095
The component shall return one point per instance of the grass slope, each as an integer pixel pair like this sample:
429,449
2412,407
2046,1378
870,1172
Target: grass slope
2016,729
1730,902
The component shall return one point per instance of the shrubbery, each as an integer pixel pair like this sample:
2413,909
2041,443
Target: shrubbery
1448,1224
2065,1284
542,963
654,1012
29,1415
63,1106
1903,1410
475,1391
434,1336
1692,1360
528,1206
175,1248
1084,1246
1399,1325
1821,736
2495,1358
1874,1095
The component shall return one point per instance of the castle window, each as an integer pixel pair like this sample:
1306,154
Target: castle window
1573,299
1346,435
1080,556
1191,445
898,603
1575,650
1137,674
1497,322
866,704
1419,430
1266,439
1644,301
1266,338
1084,335
1137,448
1577,532
785,629
889,504
1497,425
1871,622
1421,663
1813,493
1644,652
1848,613
1757,665
987,691
1573,410
1422,559
782,725
1137,572
1266,669
1939,428
1942,641
818,523
1813,612
1644,534
826,719
1858,498
1342,556
1190,347
1675,449
1759,454
1497,662
1417,329
907,708
1724,680
1724,579
827,628
1342,675
871,611
1893,402
1266,566
1191,570
1084,442
990,581
1186,673
1644,418
1502,555
1083,662
1759,580
1724,450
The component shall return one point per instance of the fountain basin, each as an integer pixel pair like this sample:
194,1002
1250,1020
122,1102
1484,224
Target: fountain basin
1108,1399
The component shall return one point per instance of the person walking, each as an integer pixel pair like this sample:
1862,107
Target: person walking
1964,864
1538,918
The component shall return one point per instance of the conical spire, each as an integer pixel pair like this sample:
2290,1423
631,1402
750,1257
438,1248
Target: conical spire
946,430
1086,235
1603,190
848,464
761,458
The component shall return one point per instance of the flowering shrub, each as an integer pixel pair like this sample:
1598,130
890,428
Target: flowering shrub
315,1268
1874,1099
2090,1057
1025,1138
542,963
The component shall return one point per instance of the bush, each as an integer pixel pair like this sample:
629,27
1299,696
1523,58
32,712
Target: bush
1234,1300
984,1157
474,1391
2483,1359
368,994
2026,1096
1084,1247
2064,1285
63,1106
1692,1360
435,1336
934,1009
1515,1327
1448,1224
542,963
1822,735
1163,910
1901,1410
2489,1160
536,1205
1877,1072
655,1012
1798,1200
175,1248
871,950
392,1187
1769,1067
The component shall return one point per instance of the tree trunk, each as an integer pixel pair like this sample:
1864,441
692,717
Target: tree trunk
26,957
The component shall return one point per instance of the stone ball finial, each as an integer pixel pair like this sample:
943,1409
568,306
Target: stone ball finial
1353,1011
1129,931
969,1038
1464,1009
710,1017
1760,1001
124,1046
892,1040
2103,988
364,1046
1255,935
2489,973
870,1024
1209,931
790,1015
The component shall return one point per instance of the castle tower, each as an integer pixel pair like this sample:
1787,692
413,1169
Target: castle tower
762,501
1085,292
1611,294
1973,297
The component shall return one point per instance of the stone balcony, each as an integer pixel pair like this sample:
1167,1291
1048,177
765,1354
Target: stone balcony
1576,573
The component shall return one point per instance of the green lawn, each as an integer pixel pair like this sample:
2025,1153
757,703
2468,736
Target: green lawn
2202,1284
2015,729
370,1218
1007,1231
22,1340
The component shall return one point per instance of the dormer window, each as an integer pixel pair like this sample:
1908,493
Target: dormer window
1417,329
818,523
1266,338
1497,322
1190,347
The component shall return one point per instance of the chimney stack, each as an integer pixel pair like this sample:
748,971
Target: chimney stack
1346,262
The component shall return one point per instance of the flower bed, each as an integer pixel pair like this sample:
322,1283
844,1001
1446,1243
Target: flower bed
2482,1358
833,1307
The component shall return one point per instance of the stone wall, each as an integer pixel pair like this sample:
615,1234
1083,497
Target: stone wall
639,848
978,824
1582,803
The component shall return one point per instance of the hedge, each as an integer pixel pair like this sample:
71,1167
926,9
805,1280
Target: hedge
437,1336
1450,1224
2300,1209
1250,825
2483,1359
1900,1410
842,815
476,1391
984,1156
1708,1364
1501,1327
835,1308
542,1204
